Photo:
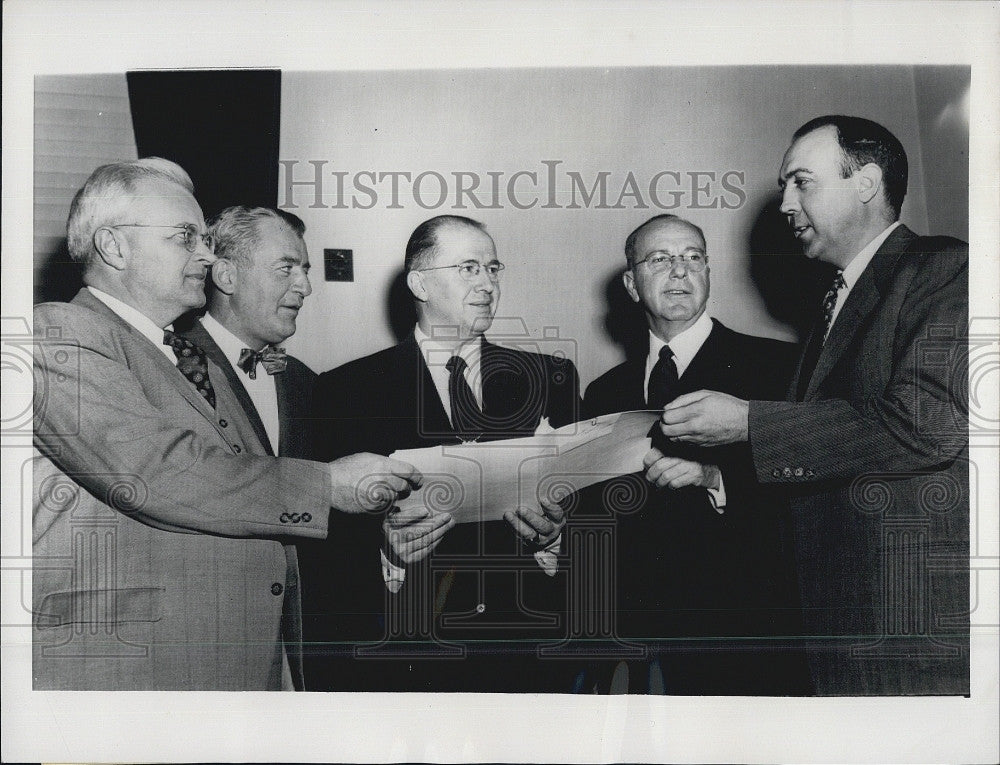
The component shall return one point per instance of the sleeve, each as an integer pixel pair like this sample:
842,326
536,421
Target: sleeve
94,420
915,422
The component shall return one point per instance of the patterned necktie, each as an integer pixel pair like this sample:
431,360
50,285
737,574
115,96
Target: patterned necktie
465,412
815,344
192,364
273,359
663,380
830,302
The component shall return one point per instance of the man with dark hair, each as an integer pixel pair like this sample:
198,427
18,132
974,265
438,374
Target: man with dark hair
702,579
872,442
490,591
158,517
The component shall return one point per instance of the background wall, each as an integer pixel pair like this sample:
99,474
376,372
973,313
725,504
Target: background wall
564,264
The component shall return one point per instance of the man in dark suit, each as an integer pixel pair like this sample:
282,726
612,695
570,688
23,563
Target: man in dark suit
702,575
468,617
259,281
872,442
158,520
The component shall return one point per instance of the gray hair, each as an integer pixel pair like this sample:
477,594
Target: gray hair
104,199
237,234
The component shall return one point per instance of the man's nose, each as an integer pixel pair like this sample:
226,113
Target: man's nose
303,286
789,201
678,268
483,281
204,255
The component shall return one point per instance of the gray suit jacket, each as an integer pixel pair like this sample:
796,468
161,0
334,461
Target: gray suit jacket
157,519
875,456
294,391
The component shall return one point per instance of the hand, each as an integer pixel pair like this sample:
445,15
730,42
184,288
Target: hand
706,418
368,483
674,472
539,527
412,534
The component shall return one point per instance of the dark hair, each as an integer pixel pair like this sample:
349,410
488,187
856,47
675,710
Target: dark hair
863,141
421,247
630,241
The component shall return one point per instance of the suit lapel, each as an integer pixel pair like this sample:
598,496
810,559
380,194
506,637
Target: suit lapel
704,367
200,336
419,396
142,344
863,298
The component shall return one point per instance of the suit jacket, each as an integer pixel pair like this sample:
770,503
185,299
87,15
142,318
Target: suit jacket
481,586
876,458
156,519
294,392
701,589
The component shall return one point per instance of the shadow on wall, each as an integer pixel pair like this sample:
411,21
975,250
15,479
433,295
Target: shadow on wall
402,314
57,277
624,321
791,285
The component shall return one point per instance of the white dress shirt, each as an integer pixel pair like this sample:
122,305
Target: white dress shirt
262,391
685,346
137,320
857,267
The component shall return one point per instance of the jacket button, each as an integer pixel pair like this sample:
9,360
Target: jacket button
306,517
237,448
481,608
776,473
798,472
277,588
787,472
224,423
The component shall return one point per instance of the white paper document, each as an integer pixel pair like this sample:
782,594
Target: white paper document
481,481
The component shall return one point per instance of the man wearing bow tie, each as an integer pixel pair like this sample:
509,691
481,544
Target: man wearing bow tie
259,282
160,525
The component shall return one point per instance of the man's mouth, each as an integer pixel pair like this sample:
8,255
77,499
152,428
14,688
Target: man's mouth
200,277
678,292
800,230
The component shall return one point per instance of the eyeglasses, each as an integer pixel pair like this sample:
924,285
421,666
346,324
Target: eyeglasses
470,269
191,234
660,261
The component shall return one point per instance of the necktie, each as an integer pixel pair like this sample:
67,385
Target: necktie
192,364
820,332
465,412
273,359
663,380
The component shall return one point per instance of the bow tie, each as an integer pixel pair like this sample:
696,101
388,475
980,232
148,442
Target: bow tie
273,359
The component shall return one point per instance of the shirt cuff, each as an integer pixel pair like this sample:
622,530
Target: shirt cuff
548,558
393,576
718,496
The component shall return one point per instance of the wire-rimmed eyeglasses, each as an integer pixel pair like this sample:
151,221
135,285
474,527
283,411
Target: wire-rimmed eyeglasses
470,269
191,234
694,261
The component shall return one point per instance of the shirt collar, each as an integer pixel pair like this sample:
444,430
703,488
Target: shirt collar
230,344
132,316
684,345
857,266
436,352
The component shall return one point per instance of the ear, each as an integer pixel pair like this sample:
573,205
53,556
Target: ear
628,279
112,251
224,276
415,281
869,180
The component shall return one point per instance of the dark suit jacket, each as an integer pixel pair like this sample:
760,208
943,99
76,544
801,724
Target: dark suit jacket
876,457
157,518
294,390
481,589
699,588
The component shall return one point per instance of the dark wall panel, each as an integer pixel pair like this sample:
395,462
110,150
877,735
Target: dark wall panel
220,126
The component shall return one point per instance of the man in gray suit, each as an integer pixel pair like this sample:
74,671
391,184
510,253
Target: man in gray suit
159,519
872,441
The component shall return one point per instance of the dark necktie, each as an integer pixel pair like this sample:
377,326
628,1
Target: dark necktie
465,412
820,332
192,364
663,380
273,359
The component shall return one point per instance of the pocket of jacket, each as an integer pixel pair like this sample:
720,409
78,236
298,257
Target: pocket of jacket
118,606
